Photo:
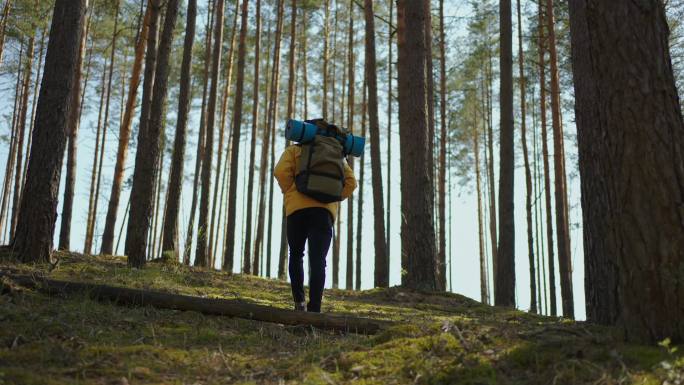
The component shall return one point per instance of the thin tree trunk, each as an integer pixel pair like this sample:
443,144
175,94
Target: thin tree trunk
201,137
21,133
381,275
3,26
34,102
149,25
545,156
77,99
491,180
213,235
202,255
267,139
326,56
170,242
389,135
528,174
151,125
87,247
228,259
442,145
282,263
252,150
350,159
359,210
32,240
562,230
417,189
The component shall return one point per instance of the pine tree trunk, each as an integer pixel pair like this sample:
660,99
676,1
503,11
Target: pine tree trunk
170,243
11,154
32,240
417,189
547,172
381,275
218,204
350,159
77,99
484,274
282,262
442,145
252,150
144,174
631,143
359,209
149,24
266,142
489,159
504,288
229,252
34,102
201,136
389,135
326,57
528,174
202,255
3,26
562,229
21,134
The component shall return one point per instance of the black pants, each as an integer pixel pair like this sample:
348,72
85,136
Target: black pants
315,225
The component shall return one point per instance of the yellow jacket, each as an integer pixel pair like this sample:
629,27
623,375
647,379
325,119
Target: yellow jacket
285,172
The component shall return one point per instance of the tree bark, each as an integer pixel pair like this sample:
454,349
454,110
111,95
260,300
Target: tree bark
170,241
202,254
381,275
631,143
229,252
125,132
32,240
282,262
547,172
252,150
528,173
201,137
562,229
267,139
389,135
417,190
359,209
77,99
149,134
504,288
350,159
3,26
326,57
442,145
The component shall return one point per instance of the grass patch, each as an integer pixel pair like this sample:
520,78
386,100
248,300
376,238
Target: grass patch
438,338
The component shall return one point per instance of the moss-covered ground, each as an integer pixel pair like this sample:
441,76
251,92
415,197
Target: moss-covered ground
438,338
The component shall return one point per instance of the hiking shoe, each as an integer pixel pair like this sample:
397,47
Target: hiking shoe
300,306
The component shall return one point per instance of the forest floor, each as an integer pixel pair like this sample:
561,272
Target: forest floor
437,338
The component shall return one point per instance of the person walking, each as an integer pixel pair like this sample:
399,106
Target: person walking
309,219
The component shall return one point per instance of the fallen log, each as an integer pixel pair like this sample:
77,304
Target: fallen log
211,306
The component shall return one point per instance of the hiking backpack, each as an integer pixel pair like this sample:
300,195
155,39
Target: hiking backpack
320,172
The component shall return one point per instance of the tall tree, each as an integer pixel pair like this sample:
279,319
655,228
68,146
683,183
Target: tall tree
545,156
3,25
282,262
36,223
562,225
149,24
252,150
267,139
528,173
504,287
351,58
145,172
631,143
442,145
359,209
381,275
170,236
229,252
390,45
419,257
202,255
73,127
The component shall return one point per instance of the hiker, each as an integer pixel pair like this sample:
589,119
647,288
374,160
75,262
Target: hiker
309,218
